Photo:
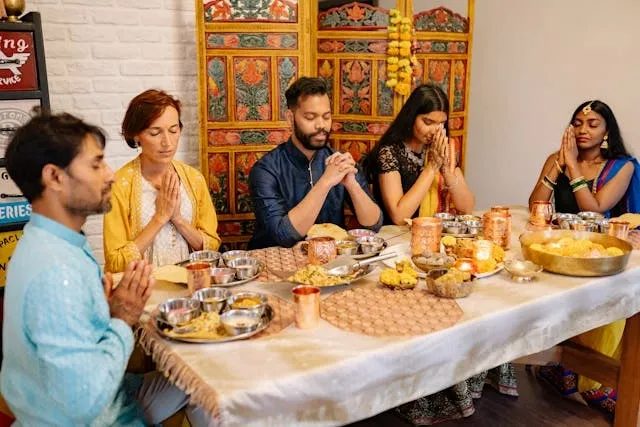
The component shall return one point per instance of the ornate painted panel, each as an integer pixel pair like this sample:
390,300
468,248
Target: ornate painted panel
249,52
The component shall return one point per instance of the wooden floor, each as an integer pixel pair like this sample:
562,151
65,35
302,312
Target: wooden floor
538,405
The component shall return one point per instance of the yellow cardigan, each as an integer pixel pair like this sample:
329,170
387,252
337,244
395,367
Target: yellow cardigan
123,223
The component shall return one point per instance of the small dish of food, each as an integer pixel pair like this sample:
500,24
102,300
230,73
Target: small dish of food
238,322
450,283
250,301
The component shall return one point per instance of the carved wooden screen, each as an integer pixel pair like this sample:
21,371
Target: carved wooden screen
249,51
351,56
444,55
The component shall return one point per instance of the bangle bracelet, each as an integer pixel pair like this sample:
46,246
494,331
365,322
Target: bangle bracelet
579,187
546,184
546,178
578,179
579,183
558,167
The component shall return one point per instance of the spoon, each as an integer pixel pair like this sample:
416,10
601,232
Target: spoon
347,268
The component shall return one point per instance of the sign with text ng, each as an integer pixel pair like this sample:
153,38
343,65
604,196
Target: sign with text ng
17,61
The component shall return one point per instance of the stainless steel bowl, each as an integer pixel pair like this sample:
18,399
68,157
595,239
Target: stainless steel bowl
246,267
361,232
221,276
445,216
212,299
179,311
603,225
473,227
212,257
258,309
454,227
462,218
563,219
347,247
370,244
575,266
229,255
582,225
590,216
237,322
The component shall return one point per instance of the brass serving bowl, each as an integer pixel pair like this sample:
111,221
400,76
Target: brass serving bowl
570,266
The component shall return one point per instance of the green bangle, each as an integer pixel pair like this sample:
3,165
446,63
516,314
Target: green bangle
580,187
577,184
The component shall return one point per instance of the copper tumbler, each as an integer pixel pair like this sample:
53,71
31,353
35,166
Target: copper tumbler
496,226
306,301
541,212
322,250
425,235
619,229
198,275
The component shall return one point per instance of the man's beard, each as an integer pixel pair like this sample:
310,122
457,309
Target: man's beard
306,140
80,207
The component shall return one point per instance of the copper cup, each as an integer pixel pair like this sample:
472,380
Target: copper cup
501,209
306,301
198,275
619,229
322,250
496,226
425,235
541,212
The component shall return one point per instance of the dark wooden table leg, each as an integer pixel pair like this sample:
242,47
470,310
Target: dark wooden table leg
628,403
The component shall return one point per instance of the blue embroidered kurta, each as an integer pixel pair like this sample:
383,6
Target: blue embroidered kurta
64,356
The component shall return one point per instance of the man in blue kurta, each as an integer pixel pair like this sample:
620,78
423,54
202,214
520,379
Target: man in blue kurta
67,330
304,181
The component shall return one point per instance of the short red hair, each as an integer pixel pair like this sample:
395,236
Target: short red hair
143,110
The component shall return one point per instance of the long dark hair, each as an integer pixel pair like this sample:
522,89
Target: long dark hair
616,144
423,100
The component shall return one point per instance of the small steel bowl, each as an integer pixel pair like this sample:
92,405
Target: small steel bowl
563,219
258,309
222,275
603,225
473,227
370,244
361,232
211,257
445,216
246,267
347,247
522,271
463,218
454,227
179,311
229,255
237,322
212,299
590,216
582,225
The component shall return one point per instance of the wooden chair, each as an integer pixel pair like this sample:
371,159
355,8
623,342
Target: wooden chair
623,375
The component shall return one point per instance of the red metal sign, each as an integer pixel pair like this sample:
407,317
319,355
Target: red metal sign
17,61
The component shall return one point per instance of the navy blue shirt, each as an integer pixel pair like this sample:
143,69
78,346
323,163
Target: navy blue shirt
279,181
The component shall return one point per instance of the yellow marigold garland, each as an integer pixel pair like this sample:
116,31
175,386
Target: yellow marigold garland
399,56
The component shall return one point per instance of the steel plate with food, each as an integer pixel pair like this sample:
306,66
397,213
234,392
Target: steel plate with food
314,275
576,253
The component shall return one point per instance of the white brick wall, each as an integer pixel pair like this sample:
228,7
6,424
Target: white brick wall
101,53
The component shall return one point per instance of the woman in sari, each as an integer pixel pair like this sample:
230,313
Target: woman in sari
592,171
414,173
161,207
413,167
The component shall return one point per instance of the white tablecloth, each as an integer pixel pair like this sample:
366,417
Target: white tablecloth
327,376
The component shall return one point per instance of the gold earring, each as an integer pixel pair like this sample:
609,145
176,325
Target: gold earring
605,143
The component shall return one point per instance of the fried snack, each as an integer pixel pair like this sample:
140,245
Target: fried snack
486,266
448,241
170,273
328,230
453,284
581,248
453,277
464,248
395,279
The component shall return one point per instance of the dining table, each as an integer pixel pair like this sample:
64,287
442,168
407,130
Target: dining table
328,376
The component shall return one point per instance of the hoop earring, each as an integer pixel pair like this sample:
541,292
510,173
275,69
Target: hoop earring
605,143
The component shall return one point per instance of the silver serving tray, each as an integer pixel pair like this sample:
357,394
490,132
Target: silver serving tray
235,282
267,316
